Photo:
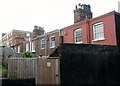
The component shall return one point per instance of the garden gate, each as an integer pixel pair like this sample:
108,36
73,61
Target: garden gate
48,71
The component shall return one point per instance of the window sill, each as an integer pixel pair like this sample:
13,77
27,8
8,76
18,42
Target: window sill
42,48
17,52
33,51
78,42
100,39
52,47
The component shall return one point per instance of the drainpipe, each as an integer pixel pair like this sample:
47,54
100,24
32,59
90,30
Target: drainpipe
30,43
45,44
60,37
59,33
87,30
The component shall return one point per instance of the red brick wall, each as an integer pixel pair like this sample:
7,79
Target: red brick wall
87,31
38,48
69,33
109,30
47,39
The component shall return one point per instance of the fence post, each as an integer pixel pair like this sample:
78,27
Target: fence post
36,73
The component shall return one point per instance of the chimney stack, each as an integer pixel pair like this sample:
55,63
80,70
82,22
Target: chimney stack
38,30
81,11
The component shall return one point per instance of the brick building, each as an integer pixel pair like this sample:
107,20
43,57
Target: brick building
14,38
43,44
47,43
103,30
81,11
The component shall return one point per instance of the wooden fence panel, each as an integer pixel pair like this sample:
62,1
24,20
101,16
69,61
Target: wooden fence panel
21,68
48,71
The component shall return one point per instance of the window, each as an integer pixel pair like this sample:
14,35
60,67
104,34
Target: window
33,46
42,43
28,34
11,33
18,49
27,47
15,49
52,42
78,36
98,31
8,44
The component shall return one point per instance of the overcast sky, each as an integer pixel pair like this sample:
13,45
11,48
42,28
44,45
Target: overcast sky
50,14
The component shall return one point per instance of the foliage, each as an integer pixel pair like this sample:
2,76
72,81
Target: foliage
27,54
3,71
0,70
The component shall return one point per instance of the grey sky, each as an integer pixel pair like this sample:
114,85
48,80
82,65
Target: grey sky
50,14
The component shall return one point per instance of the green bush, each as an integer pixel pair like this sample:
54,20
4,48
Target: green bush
27,54
3,71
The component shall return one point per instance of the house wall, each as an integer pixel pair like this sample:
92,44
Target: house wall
38,48
47,50
109,30
87,31
68,33
18,43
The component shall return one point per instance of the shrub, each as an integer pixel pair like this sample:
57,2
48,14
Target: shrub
3,71
27,54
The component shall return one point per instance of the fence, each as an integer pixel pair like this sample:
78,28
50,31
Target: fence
21,68
48,71
43,70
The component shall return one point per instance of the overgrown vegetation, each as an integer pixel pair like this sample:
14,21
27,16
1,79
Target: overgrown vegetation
27,54
3,71
0,70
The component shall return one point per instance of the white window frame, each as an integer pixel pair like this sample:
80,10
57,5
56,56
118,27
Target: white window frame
28,34
100,33
75,35
18,49
52,43
42,43
33,46
27,46
15,49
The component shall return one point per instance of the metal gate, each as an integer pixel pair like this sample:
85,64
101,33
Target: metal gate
48,71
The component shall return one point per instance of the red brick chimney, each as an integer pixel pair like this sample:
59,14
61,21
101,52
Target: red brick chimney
38,31
81,11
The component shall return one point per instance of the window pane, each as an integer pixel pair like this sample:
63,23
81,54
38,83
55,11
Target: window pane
42,43
78,35
27,47
98,31
52,41
33,46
